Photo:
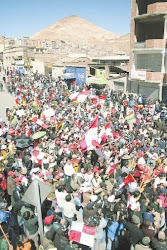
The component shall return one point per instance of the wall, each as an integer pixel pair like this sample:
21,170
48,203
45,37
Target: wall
37,65
57,71
80,73
118,86
144,88
132,30
149,61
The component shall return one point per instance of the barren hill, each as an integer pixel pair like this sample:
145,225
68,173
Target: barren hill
81,36
74,29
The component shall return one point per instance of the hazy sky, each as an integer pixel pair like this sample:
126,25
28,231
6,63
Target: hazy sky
25,17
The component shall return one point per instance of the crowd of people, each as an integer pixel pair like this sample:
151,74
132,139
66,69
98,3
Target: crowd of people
118,185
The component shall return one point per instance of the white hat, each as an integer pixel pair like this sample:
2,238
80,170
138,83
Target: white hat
3,146
24,171
35,170
111,198
93,197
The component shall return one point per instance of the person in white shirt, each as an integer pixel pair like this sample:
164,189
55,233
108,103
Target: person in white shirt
68,171
60,195
69,209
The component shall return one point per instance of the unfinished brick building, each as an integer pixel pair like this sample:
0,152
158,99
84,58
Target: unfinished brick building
148,60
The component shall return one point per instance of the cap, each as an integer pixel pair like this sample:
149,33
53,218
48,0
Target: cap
48,219
11,173
135,219
111,198
3,147
146,241
93,197
17,179
161,235
24,171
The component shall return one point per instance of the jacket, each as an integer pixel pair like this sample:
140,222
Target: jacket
136,234
10,185
31,225
114,229
142,247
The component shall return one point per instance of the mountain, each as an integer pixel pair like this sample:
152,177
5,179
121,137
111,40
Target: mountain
74,29
76,35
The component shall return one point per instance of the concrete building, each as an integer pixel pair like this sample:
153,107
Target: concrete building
148,64
116,69
19,58
60,66
44,68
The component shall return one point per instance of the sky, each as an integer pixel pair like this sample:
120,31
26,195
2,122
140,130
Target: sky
20,18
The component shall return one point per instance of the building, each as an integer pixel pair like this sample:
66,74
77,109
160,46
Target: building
16,42
148,64
2,43
18,58
116,69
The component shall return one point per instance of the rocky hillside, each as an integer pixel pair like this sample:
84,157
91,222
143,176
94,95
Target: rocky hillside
76,30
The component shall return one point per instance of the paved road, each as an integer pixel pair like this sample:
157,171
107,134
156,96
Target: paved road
6,100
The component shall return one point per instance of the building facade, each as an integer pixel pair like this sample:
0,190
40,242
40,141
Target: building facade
116,70
148,43
18,58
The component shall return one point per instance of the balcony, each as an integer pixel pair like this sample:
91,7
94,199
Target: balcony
157,7
154,76
151,44
154,44
143,75
139,45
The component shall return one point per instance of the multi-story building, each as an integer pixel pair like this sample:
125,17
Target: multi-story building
116,69
148,60
19,58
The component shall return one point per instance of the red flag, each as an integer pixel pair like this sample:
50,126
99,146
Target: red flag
86,142
17,102
96,144
128,179
94,100
102,97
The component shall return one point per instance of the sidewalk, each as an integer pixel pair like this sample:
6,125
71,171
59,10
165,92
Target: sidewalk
6,99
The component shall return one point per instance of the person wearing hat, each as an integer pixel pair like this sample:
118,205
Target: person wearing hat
10,186
48,222
160,242
17,192
99,233
144,244
136,234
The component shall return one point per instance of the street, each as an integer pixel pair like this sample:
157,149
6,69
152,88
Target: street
6,100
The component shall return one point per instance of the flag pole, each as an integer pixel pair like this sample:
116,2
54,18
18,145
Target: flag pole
5,235
38,206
